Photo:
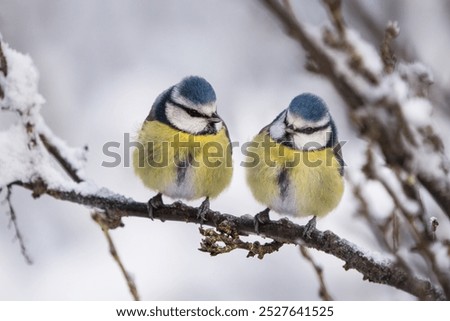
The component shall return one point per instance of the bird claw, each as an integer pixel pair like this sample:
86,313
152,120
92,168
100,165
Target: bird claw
154,203
203,210
310,227
261,218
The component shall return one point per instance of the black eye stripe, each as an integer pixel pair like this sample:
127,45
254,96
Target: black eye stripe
307,130
194,113
190,111
312,130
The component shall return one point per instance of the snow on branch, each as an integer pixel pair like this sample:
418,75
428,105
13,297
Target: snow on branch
34,158
232,228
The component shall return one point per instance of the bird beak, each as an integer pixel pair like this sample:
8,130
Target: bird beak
215,118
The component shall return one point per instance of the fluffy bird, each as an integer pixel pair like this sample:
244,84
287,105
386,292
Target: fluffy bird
183,148
294,165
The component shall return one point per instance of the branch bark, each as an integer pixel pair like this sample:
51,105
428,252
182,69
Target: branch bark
283,231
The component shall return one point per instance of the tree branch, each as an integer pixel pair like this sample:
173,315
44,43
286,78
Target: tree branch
386,272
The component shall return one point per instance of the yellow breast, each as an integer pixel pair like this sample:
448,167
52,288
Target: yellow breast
310,185
181,165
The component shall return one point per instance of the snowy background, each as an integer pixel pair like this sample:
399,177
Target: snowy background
102,65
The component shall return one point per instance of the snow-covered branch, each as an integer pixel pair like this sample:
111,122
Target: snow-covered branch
233,228
34,158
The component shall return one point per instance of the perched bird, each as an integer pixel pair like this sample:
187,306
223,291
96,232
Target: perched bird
183,148
294,165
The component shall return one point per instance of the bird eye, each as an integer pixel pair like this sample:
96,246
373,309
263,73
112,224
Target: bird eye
308,130
193,112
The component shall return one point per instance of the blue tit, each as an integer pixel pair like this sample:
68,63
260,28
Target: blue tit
184,149
294,165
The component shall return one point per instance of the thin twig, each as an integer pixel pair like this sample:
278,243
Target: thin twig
356,61
387,54
98,218
3,68
377,229
13,219
323,291
65,164
334,8
418,232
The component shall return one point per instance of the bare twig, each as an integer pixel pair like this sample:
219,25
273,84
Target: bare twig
355,60
18,235
65,164
323,291
387,54
378,229
334,8
3,68
104,225
420,237
228,236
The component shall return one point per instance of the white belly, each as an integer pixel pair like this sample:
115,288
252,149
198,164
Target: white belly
184,189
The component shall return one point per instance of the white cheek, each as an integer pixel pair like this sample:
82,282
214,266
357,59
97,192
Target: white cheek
180,119
278,129
316,140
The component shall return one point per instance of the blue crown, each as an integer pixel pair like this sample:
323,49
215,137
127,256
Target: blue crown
309,107
197,90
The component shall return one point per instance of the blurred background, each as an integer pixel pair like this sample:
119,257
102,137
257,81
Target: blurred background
101,67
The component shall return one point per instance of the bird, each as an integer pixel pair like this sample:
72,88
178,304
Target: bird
183,148
294,165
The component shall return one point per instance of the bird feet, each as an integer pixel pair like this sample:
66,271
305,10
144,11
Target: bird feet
202,210
310,227
154,203
261,218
